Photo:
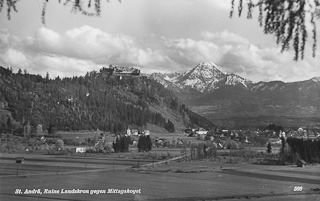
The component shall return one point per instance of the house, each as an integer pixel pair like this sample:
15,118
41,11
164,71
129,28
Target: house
146,132
134,132
39,129
20,160
128,132
201,131
301,163
160,142
80,150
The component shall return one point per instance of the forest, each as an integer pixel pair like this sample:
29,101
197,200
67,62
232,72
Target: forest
90,102
305,149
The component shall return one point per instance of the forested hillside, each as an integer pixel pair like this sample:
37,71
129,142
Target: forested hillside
94,101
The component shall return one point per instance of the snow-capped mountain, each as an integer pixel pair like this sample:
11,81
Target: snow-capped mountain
315,79
230,100
205,78
165,79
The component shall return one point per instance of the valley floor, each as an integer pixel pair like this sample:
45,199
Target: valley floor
195,180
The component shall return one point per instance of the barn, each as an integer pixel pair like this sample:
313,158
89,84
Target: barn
301,163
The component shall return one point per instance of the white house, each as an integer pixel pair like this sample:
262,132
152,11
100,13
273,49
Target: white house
80,150
134,132
201,131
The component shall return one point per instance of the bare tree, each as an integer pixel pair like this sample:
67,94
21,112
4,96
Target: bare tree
285,19
85,7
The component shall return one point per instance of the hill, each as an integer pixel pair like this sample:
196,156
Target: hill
98,100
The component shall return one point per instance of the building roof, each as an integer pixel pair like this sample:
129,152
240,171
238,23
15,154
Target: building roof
302,161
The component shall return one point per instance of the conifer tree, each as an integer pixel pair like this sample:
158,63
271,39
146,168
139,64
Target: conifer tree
269,148
148,143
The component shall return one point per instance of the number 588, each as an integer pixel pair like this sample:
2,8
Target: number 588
297,188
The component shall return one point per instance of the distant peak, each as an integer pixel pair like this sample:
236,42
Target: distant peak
208,66
232,75
208,63
315,79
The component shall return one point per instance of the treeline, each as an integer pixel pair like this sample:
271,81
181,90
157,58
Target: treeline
94,101
306,149
276,128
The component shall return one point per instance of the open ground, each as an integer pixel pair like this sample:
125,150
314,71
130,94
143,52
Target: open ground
176,180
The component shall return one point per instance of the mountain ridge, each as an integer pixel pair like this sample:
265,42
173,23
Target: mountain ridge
218,95
204,77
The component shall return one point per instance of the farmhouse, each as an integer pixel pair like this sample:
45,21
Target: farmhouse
201,131
134,132
301,163
20,160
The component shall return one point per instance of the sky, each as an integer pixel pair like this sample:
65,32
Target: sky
152,35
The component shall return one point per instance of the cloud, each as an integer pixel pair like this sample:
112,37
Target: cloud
77,50
85,48
46,41
61,66
222,4
189,51
225,37
8,40
13,57
220,47
237,55
84,43
89,43
141,57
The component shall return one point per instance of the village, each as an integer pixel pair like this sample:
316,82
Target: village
34,140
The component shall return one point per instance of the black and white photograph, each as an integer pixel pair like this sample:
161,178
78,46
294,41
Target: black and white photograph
159,100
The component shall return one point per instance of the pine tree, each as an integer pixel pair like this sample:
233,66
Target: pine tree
148,143
142,143
117,145
170,126
269,148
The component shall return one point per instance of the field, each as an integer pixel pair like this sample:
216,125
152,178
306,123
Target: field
179,180
63,177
